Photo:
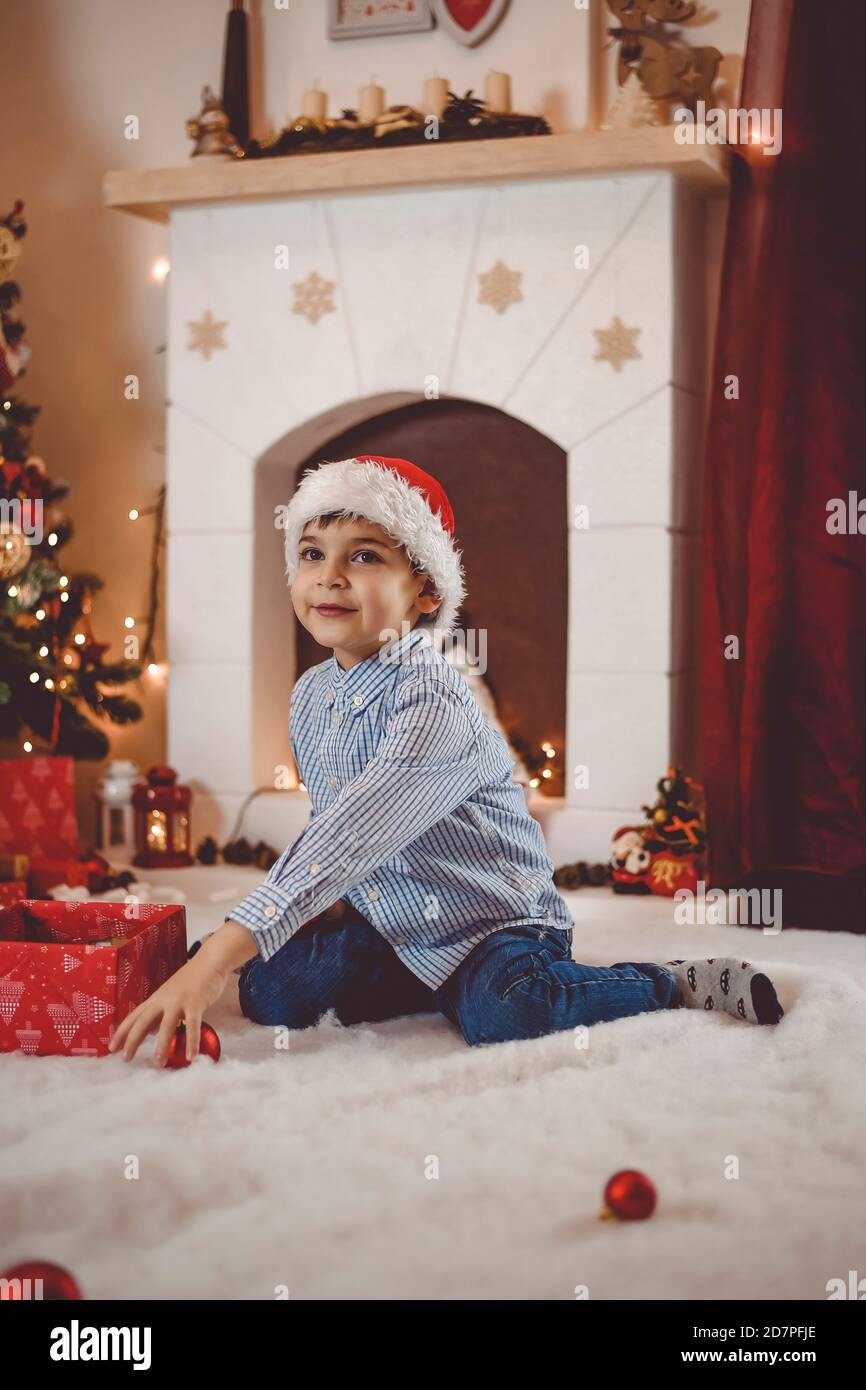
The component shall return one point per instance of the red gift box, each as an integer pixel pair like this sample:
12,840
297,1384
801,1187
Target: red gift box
12,891
45,874
37,808
61,994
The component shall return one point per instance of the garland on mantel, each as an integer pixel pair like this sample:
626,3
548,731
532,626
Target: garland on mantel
464,118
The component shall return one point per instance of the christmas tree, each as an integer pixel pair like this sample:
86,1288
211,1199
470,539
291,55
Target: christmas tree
52,669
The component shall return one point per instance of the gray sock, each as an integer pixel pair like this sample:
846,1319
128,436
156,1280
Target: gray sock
730,984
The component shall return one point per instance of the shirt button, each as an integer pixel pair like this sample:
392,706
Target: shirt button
358,700
330,697
332,781
372,894
336,721
270,910
314,868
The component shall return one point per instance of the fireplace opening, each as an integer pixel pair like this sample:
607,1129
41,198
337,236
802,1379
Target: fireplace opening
507,484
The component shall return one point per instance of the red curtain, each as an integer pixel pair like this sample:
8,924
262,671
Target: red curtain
784,724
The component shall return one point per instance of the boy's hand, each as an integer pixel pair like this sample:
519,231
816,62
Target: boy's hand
192,989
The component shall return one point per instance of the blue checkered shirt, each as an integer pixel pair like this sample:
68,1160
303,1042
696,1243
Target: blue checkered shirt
415,820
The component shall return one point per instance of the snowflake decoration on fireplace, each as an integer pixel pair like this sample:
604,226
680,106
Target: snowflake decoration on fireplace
313,297
500,287
616,343
206,335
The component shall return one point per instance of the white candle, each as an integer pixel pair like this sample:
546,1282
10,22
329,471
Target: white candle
314,104
497,91
435,96
371,102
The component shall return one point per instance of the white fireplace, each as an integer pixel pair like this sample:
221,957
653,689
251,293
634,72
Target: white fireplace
455,271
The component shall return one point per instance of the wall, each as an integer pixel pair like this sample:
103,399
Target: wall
72,71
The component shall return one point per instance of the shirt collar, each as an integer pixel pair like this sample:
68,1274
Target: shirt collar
367,677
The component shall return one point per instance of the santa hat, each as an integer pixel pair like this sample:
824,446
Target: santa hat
407,502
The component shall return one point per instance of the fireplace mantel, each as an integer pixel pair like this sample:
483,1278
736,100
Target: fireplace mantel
153,193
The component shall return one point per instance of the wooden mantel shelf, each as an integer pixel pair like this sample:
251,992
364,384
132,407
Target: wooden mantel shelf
153,193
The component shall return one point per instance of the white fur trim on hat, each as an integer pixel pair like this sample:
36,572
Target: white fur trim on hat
368,489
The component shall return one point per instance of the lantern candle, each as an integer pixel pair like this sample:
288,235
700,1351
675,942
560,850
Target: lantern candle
162,821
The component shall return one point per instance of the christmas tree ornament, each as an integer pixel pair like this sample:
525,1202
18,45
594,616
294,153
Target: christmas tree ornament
10,251
38,1279
15,550
209,1046
210,130
628,1196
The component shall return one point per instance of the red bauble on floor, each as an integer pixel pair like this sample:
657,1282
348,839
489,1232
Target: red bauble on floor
209,1046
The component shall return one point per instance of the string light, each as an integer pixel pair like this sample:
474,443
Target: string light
43,651
64,598
133,514
40,613
27,746
63,581
12,590
153,668
160,269
129,622
34,676
68,659
49,684
79,639
52,538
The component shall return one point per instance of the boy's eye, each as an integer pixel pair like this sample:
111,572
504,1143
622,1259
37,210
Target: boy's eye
312,550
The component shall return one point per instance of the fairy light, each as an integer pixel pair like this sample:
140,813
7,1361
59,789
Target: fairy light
129,622
160,270
64,598
52,538
63,581
133,513
79,639
49,684
34,676
12,591
533,781
43,651
27,746
68,659
40,613
153,668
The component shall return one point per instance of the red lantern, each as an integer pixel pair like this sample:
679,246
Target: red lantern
161,821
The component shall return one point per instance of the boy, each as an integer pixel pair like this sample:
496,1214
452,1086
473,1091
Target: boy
421,882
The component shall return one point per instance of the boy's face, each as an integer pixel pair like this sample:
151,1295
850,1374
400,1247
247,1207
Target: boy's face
358,569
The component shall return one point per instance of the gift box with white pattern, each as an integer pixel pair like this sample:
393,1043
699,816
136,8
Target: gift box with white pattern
70,972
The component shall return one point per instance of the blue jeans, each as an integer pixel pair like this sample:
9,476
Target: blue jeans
519,982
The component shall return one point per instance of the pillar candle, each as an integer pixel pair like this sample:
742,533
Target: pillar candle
314,104
497,91
435,96
371,102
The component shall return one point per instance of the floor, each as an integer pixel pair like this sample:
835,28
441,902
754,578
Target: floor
393,1161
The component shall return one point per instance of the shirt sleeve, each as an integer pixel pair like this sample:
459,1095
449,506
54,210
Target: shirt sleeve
427,764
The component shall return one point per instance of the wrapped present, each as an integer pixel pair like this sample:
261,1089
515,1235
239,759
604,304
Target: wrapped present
45,874
13,866
37,808
12,890
71,972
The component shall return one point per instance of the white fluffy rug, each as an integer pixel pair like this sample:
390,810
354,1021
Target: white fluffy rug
309,1168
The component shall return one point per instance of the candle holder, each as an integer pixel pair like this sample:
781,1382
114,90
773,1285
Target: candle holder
162,814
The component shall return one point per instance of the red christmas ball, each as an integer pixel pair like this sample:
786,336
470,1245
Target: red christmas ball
37,1279
629,1195
209,1046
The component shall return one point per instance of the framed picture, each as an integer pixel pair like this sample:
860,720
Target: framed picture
361,19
